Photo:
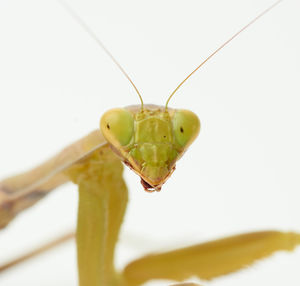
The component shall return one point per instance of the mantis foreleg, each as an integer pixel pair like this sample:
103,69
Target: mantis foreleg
102,203
23,190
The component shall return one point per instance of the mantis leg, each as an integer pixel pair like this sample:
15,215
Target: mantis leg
209,260
22,191
102,203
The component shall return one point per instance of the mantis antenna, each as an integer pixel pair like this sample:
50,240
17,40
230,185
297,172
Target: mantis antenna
80,21
221,47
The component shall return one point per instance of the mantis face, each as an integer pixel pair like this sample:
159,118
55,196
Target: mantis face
150,140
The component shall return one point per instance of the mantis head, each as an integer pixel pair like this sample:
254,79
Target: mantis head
150,140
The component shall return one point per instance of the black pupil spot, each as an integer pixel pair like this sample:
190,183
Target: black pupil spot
181,129
165,136
107,125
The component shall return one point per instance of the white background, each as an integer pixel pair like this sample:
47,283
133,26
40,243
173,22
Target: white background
241,174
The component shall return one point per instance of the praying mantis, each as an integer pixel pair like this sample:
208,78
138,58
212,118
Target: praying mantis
184,187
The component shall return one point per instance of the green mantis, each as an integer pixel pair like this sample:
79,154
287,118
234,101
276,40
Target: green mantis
74,175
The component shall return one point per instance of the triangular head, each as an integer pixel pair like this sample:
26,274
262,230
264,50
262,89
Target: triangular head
150,140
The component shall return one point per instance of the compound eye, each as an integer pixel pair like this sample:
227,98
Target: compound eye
186,126
117,126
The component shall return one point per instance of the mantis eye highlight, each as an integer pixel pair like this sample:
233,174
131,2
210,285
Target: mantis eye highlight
186,126
117,126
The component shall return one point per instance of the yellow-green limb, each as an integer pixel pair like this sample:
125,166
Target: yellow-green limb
102,202
209,260
24,190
